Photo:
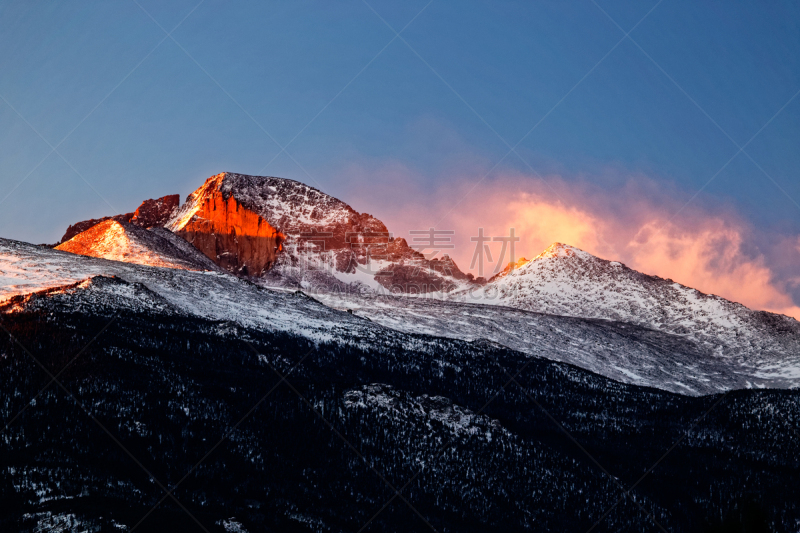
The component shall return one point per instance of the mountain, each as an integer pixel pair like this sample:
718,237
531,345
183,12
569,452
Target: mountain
564,280
167,420
292,234
142,394
121,241
286,235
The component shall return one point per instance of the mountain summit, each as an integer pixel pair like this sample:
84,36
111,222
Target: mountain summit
565,280
291,233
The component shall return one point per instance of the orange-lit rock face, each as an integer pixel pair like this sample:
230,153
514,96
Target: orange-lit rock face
234,237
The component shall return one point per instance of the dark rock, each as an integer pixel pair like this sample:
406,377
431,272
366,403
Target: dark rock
156,212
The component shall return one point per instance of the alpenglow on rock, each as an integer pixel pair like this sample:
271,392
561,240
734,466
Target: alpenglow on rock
257,225
233,236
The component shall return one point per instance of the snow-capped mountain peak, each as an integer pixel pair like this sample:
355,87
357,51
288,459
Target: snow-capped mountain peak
565,280
558,249
283,203
284,232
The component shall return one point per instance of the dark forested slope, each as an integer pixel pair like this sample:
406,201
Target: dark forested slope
164,399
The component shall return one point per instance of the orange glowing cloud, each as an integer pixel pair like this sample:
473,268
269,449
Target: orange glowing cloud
710,258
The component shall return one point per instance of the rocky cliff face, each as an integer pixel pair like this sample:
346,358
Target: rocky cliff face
234,237
311,221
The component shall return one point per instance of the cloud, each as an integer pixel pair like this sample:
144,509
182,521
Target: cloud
710,257
710,248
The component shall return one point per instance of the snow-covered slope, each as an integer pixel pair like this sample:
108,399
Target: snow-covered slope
27,268
120,241
621,351
95,295
565,280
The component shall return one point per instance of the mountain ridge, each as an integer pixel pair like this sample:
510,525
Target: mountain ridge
349,261
621,351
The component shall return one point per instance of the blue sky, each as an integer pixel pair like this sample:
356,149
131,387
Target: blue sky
139,114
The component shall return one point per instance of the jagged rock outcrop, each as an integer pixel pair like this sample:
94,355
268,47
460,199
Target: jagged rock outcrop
149,214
